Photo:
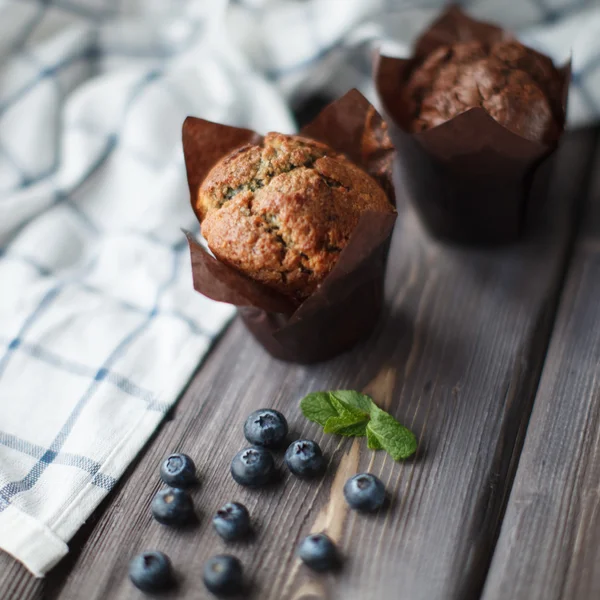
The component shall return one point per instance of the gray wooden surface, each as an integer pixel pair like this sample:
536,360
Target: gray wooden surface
457,357
549,548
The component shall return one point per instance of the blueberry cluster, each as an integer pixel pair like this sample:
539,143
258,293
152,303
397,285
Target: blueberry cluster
265,429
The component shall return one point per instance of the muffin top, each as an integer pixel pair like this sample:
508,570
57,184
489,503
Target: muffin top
282,211
517,86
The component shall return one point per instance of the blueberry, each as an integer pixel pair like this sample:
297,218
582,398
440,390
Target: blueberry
173,506
252,467
223,575
364,492
178,470
318,552
232,521
304,458
266,427
151,571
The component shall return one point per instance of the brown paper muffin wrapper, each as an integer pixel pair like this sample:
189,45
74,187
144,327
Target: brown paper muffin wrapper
344,309
470,179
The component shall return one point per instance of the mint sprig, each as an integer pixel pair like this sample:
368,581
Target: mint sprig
352,414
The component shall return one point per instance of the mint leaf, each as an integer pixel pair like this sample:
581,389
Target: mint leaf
398,441
348,416
346,410
340,426
352,414
317,407
355,399
372,441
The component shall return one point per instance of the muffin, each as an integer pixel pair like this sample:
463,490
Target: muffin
476,118
299,230
517,86
281,211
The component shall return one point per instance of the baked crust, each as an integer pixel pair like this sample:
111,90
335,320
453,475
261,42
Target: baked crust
517,86
282,211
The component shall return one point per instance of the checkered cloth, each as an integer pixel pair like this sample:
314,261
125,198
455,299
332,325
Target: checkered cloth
99,326
326,45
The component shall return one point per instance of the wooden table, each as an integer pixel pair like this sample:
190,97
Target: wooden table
491,356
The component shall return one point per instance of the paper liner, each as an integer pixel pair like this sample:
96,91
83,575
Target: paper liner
470,178
344,309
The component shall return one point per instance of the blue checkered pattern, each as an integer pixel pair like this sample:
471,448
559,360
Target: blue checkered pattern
99,326
326,46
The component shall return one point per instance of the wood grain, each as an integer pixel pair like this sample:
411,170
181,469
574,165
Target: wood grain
549,547
457,357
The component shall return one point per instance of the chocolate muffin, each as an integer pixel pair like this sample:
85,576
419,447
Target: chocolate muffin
514,84
282,211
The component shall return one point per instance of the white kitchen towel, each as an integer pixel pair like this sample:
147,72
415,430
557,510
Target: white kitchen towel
326,46
99,326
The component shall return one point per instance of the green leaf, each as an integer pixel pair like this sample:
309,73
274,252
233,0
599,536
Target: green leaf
317,407
348,416
339,427
398,441
352,414
346,410
358,430
372,441
354,399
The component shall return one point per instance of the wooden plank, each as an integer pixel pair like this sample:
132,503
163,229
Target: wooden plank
457,357
16,582
549,547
